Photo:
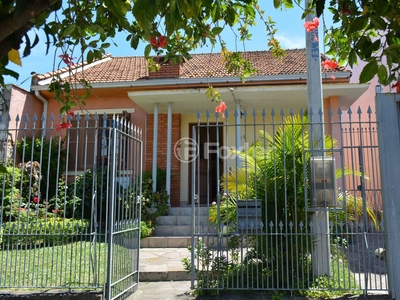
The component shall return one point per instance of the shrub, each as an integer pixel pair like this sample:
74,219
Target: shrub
64,202
50,155
145,229
53,231
154,204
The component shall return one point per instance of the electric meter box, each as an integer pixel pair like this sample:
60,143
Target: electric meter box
322,181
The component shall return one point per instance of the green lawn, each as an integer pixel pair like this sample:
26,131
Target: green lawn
74,265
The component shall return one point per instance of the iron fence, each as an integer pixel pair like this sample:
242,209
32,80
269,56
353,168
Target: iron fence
70,210
283,213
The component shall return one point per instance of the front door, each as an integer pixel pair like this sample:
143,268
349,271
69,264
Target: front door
206,166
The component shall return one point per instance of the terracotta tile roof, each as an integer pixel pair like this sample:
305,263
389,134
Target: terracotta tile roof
132,68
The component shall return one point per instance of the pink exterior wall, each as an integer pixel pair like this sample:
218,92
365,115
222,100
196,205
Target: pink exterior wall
23,104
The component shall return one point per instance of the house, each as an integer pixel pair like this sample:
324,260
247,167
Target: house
165,103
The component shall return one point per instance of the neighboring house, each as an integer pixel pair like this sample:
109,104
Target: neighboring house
169,99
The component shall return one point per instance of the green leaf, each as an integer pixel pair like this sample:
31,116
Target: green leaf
378,22
144,12
352,57
320,6
216,30
382,74
358,24
369,71
69,30
134,42
147,51
230,16
90,56
3,169
277,3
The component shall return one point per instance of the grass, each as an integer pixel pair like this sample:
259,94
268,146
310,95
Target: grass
79,265
341,281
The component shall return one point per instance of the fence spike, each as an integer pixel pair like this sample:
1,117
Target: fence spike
34,118
320,113
208,114
26,118
236,113
301,113
359,111
330,112
264,113
226,114
254,114
291,112
273,113
245,113
52,117
282,113
349,111
369,110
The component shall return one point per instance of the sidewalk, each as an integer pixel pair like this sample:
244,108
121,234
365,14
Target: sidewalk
162,276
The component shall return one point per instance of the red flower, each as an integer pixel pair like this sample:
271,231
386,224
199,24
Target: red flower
397,86
71,113
311,25
160,41
221,108
330,64
36,199
63,125
153,41
67,59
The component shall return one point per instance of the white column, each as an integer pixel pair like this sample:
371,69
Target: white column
169,147
238,139
155,146
320,219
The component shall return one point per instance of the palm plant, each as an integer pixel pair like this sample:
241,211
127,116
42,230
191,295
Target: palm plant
274,169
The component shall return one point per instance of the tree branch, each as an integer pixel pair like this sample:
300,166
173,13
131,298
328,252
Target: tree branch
12,26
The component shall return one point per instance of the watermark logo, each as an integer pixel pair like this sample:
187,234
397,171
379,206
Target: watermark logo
186,150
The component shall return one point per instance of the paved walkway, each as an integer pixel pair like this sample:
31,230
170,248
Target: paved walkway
162,276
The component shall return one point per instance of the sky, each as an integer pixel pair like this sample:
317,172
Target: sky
291,35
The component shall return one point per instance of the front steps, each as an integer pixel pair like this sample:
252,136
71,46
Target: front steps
174,229
171,237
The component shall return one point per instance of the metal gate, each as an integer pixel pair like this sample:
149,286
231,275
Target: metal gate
284,217
125,166
70,203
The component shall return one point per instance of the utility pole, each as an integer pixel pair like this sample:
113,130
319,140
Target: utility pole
320,217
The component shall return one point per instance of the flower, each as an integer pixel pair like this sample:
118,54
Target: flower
221,108
160,41
36,199
71,113
330,64
63,125
311,25
214,203
67,59
397,86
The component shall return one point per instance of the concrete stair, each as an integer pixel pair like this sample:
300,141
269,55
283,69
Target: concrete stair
174,230
161,254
